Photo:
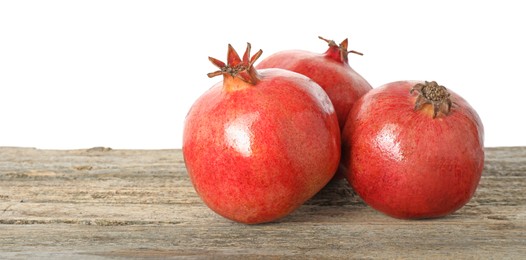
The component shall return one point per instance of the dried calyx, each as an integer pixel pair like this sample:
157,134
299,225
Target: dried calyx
340,50
235,67
434,94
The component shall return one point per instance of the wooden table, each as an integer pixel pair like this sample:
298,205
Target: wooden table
103,203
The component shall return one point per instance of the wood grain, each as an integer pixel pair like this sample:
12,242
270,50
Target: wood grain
102,203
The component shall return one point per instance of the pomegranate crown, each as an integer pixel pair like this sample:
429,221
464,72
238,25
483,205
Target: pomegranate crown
339,52
434,94
237,67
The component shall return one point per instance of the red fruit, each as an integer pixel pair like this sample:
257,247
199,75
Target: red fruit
413,150
330,70
260,143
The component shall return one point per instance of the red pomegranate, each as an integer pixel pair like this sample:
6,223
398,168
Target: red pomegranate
413,150
260,143
330,70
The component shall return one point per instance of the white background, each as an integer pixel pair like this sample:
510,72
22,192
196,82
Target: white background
123,74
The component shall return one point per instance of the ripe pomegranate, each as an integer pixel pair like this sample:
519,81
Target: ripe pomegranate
330,70
260,143
413,150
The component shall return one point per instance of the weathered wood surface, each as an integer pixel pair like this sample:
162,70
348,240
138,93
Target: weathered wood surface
102,203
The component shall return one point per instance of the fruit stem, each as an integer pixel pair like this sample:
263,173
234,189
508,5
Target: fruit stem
237,67
338,52
434,94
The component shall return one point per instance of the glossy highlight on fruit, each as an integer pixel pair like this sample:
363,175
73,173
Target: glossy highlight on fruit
413,149
260,143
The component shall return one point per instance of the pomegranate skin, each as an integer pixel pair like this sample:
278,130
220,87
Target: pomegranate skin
407,164
330,70
255,153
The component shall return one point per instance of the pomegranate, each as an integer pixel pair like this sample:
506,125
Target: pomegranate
413,150
260,143
330,70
